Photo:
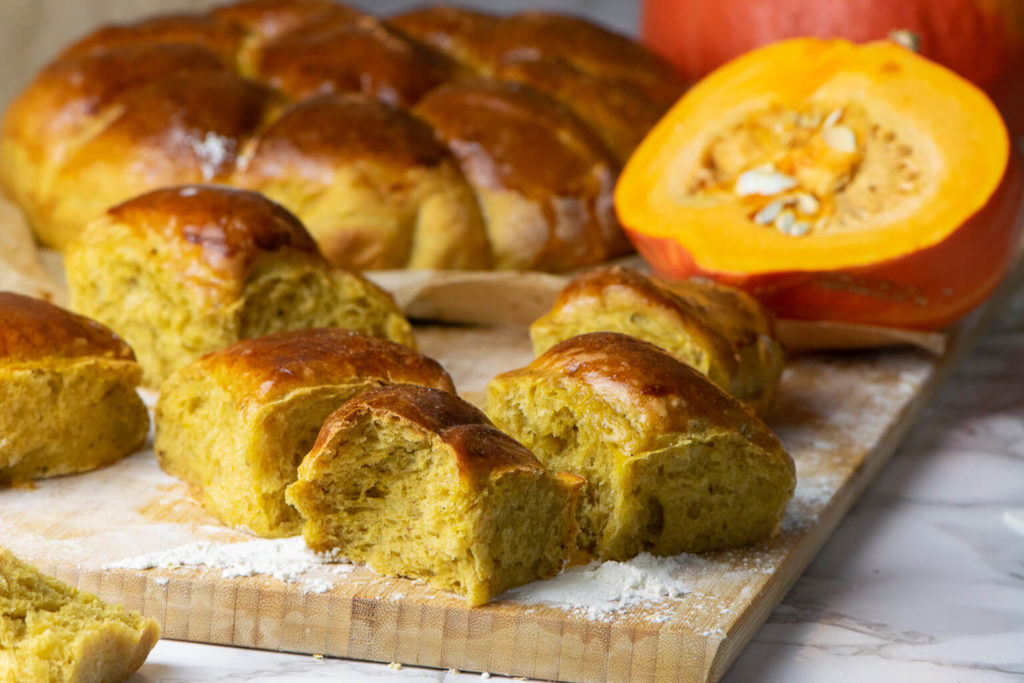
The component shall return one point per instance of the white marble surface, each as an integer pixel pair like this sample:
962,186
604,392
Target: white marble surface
923,580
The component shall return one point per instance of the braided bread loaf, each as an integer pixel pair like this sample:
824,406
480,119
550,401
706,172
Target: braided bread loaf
441,138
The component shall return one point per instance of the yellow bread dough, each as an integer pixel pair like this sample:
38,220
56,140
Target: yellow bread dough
416,482
721,331
236,423
672,463
183,271
67,392
53,633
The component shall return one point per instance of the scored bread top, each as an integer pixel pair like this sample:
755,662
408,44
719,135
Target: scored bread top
221,228
36,330
480,448
262,370
659,394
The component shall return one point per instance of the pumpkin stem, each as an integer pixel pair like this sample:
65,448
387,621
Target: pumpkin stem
906,38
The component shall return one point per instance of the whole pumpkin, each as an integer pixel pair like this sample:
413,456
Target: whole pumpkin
982,40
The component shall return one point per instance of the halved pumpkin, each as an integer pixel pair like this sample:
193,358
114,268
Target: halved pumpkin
832,181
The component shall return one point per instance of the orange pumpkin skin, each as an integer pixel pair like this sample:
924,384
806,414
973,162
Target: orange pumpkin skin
982,40
933,257
924,290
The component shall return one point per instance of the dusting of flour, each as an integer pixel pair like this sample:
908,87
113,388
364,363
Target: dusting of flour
285,559
600,591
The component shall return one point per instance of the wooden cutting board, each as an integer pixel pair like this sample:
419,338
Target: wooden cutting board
840,416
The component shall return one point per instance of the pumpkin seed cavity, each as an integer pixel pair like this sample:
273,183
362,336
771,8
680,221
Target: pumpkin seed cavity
811,171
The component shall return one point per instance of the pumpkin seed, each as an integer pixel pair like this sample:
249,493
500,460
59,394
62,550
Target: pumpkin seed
785,221
762,181
841,139
768,213
833,117
800,228
807,203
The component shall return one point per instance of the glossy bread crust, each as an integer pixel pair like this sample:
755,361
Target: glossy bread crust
480,448
187,98
266,369
36,330
655,389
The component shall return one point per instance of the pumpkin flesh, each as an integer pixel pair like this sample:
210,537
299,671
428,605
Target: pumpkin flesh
821,158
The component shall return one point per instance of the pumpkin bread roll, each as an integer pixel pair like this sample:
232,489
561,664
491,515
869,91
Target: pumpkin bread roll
375,187
53,633
364,55
236,423
672,463
188,98
67,393
543,180
416,482
616,87
182,271
718,330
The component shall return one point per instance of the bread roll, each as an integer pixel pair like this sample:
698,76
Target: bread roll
416,482
67,393
183,271
375,187
188,98
672,463
236,423
617,87
718,330
543,180
53,633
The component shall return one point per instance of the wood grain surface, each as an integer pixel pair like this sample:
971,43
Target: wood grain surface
840,416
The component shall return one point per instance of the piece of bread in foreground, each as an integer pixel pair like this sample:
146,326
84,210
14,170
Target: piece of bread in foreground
182,271
721,331
417,482
672,463
53,633
236,423
67,392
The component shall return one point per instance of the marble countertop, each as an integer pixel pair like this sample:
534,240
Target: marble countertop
923,580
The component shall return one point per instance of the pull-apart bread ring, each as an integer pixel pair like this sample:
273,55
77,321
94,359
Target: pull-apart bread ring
247,95
417,482
723,332
182,271
236,423
672,463
67,392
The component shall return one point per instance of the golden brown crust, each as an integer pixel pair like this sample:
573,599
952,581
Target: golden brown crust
34,330
463,34
272,18
219,37
617,110
268,368
342,55
595,286
76,89
511,138
316,136
480,448
166,101
588,47
666,395
215,234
